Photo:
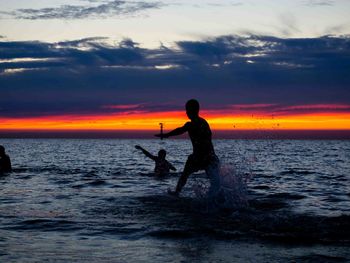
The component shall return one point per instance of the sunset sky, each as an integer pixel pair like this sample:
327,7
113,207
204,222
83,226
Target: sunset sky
129,65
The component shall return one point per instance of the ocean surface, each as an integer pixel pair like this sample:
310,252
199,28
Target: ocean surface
72,200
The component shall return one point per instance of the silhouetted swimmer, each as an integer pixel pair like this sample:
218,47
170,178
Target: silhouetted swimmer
203,156
5,162
162,167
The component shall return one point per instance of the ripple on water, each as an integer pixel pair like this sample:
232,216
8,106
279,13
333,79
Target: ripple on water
46,225
296,172
286,196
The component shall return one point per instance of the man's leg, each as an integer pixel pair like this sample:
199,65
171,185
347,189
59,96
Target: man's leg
182,181
188,170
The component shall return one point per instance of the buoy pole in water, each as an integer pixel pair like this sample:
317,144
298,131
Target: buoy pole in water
161,130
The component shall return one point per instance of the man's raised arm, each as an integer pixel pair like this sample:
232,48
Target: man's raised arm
177,131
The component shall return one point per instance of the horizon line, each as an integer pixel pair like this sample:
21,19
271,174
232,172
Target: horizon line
322,134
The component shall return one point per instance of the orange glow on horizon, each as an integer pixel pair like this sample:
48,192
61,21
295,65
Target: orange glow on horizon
150,121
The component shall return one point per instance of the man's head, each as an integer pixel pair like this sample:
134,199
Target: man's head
192,108
2,150
162,154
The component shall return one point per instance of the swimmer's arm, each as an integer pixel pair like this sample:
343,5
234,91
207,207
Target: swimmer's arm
177,131
145,152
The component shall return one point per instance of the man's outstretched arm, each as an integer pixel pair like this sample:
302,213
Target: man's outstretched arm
145,152
177,131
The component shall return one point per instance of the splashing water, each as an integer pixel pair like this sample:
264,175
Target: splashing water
232,190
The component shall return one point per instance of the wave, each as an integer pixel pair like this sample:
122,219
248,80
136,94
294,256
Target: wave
260,220
296,172
46,225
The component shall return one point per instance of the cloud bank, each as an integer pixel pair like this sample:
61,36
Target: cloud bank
88,76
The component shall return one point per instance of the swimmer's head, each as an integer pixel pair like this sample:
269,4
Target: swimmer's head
2,150
192,108
162,153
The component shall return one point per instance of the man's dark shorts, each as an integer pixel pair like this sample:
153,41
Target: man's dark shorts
196,163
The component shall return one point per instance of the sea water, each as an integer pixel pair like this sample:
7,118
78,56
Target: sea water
98,201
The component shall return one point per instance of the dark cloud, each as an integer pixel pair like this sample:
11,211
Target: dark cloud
89,76
96,9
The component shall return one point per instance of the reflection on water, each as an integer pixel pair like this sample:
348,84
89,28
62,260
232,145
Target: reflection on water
97,200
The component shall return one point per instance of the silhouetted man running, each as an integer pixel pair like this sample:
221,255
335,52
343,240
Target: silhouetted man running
203,156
